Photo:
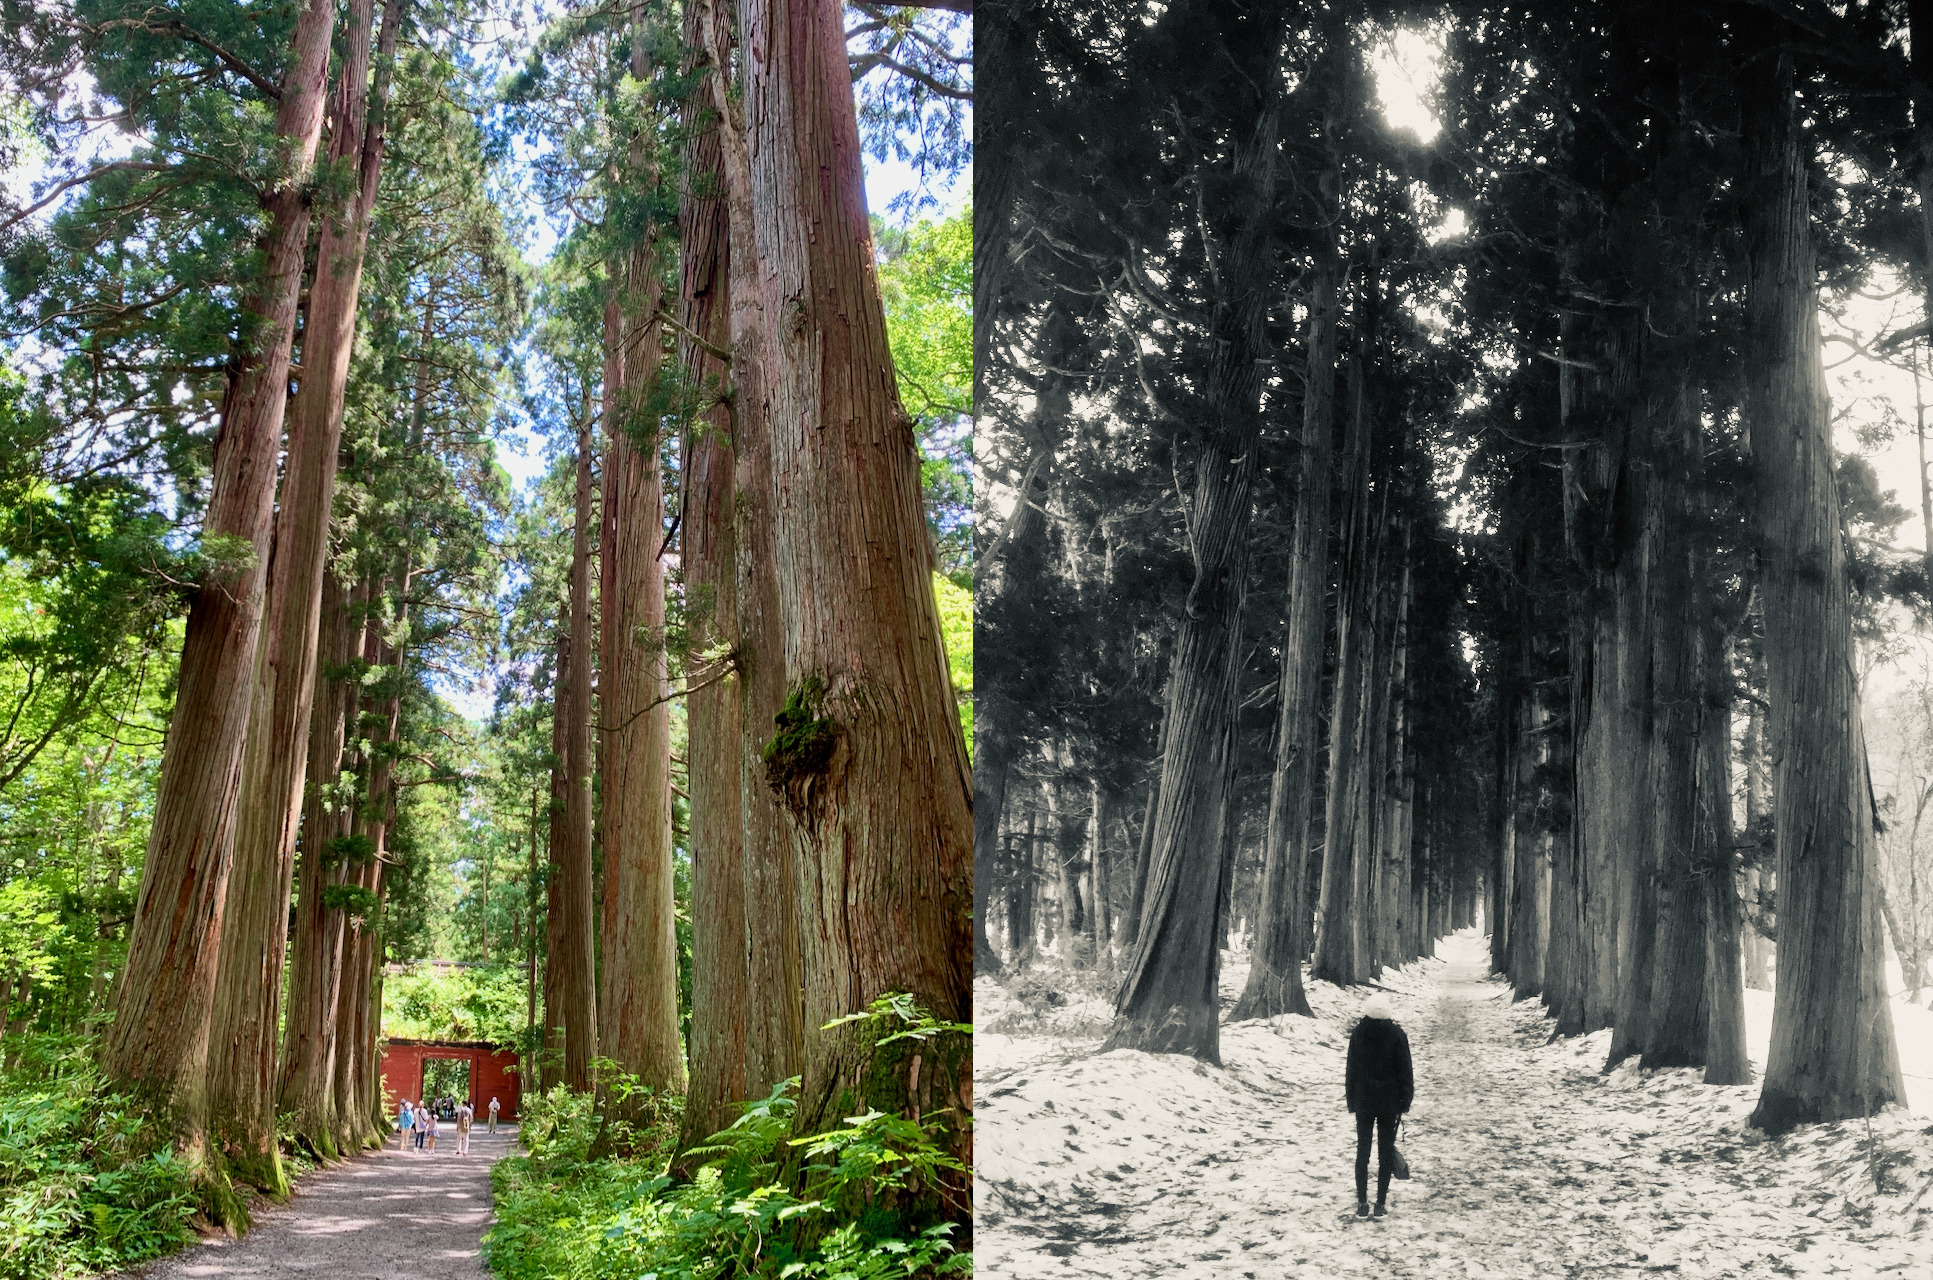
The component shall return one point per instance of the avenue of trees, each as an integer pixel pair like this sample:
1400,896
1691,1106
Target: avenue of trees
255,537
1385,534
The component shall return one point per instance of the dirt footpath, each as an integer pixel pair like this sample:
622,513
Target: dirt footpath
387,1214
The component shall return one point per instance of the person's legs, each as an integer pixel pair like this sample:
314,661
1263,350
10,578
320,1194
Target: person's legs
1364,1119
1385,1155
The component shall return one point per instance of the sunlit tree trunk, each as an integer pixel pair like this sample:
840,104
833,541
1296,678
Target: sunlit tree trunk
570,980
248,996
870,761
638,1018
1832,1052
774,963
719,1016
1726,1061
315,972
157,1045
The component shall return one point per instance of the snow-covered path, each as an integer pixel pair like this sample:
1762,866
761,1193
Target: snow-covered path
1528,1161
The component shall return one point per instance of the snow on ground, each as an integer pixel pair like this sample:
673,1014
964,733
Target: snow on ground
1528,1160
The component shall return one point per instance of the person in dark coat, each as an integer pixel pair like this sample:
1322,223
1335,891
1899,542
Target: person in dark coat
1379,1088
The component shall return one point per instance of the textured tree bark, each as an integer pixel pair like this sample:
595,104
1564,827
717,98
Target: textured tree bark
1679,1010
774,964
1144,852
1065,830
870,762
638,1017
1168,1001
1368,831
1275,970
638,1021
1338,949
315,975
1021,939
719,1016
157,1045
357,1021
570,978
1726,1061
1563,968
1758,883
1530,885
248,990
1101,924
1832,1052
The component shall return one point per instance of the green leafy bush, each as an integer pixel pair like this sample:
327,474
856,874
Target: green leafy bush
87,1183
761,1204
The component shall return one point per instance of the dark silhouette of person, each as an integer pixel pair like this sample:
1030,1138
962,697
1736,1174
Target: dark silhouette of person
1379,1087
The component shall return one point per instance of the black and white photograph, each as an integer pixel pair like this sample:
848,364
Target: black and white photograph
1453,694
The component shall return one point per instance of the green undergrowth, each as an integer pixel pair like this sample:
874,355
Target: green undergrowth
88,1184
759,1203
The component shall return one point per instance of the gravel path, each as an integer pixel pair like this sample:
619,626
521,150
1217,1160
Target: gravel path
377,1217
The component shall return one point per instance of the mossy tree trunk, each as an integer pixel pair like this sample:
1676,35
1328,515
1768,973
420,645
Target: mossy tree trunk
869,758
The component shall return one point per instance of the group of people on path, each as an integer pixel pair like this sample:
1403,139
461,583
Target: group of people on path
416,1123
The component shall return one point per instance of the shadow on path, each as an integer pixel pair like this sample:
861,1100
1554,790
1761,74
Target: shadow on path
387,1214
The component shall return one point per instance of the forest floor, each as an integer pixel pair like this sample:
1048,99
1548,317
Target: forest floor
1529,1161
379,1216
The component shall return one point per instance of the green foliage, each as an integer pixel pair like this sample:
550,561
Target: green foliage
956,629
433,1002
353,898
748,1210
87,1183
926,284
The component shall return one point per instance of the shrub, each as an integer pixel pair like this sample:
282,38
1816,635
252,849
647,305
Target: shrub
761,1204
87,1183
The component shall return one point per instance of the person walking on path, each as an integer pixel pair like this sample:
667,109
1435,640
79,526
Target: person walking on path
405,1121
432,1137
493,1115
464,1118
1379,1086
422,1124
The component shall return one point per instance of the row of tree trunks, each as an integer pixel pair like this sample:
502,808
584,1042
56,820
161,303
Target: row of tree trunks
1832,1053
1339,953
1168,1001
158,1044
309,1044
242,1067
1275,971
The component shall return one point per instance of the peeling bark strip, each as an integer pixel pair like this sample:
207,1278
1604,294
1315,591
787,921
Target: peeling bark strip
1832,1054
1167,998
884,846
157,1045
